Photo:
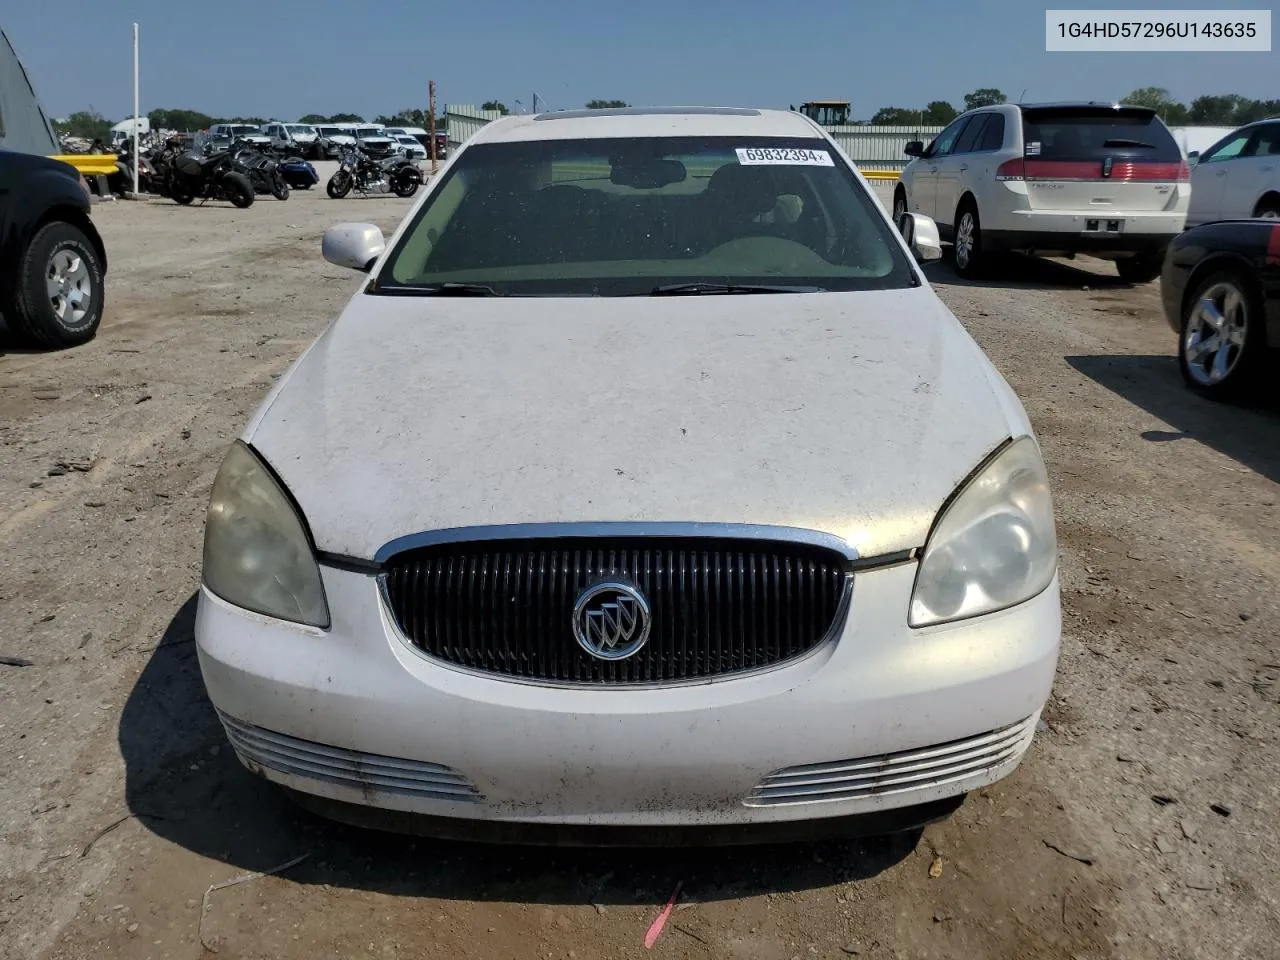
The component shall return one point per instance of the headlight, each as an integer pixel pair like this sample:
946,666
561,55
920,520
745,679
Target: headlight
994,545
257,555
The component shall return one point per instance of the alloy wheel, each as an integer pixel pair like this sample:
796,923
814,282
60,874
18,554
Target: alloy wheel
69,285
964,240
1215,334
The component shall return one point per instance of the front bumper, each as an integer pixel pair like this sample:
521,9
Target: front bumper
882,718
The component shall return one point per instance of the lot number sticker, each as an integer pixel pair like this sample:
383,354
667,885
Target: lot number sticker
787,156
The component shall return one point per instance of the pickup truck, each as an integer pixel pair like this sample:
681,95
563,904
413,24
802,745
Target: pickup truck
53,263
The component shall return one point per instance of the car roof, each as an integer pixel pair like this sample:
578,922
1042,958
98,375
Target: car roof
1068,104
648,122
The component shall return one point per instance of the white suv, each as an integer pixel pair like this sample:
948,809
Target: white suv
1053,180
1239,176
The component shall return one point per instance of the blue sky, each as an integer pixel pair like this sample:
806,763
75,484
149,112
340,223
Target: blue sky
285,58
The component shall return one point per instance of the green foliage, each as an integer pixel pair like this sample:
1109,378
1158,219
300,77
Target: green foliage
91,126
938,113
1215,110
186,121
606,104
895,117
1251,110
1158,99
345,118
983,97
495,105
405,118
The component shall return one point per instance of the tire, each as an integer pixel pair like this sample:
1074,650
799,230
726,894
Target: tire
969,257
339,185
1268,208
1143,268
899,204
61,258
406,187
1220,354
280,189
238,189
180,194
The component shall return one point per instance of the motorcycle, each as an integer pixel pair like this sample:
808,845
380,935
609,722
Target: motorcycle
184,177
263,171
395,174
121,181
298,173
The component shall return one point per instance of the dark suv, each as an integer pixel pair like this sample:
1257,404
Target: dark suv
53,263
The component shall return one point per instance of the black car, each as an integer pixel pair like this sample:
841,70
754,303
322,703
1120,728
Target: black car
53,263
1221,292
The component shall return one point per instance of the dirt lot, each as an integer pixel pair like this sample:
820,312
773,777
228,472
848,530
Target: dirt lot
1142,824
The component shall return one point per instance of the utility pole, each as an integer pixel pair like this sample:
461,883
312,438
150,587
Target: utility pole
137,147
431,123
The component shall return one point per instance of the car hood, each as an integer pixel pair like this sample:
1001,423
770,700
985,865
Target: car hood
855,414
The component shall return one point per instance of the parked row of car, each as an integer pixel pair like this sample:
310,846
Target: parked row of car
327,141
1110,181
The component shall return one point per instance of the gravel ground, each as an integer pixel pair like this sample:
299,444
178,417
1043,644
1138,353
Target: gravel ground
1141,824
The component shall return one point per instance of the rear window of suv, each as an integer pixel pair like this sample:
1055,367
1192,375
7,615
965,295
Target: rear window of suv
1096,133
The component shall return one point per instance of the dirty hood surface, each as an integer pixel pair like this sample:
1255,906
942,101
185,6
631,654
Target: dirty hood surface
856,414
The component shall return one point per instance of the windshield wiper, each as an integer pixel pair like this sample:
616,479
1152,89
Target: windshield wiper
677,289
445,290
1121,142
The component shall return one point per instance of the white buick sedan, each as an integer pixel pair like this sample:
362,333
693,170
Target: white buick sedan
644,485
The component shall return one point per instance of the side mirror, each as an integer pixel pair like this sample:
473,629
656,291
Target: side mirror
921,235
1193,157
356,246
914,148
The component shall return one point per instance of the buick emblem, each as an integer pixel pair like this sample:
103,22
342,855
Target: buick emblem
611,620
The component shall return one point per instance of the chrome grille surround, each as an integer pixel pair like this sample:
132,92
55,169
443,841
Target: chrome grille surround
893,773
294,756
726,599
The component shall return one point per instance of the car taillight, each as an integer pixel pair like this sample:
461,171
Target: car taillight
1012,170
1184,172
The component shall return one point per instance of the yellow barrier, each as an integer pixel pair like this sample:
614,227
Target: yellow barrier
880,174
90,164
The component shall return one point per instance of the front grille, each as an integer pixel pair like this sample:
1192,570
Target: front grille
717,606
258,747
893,773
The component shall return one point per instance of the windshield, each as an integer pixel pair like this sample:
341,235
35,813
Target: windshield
299,128
619,217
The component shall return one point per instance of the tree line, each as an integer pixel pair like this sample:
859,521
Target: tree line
1212,110
500,107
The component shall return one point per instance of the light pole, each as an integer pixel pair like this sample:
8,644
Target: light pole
137,146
